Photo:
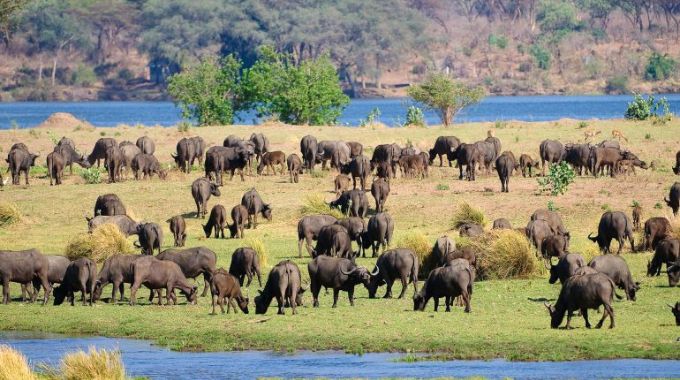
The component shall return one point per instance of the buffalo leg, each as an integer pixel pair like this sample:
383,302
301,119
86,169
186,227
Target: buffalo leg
250,278
404,285
292,301
206,284
569,315
315,294
198,209
350,295
388,291
466,300
336,292
436,304
280,300
448,302
214,296
584,313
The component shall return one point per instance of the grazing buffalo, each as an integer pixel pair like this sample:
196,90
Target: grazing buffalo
178,228
466,253
400,263
676,312
225,286
147,165
193,262
444,146
386,156
283,283
220,159
146,145
355,149
470,230
336,273
308,148
378,233
355,227
554,246
160,274
129,152
201,190
578,156
667,252
199,149
358,167
20,161
617,269
537,232
674,201
308,229
414,166
245,263
505,164
613,225
676,168
553,219
117,270
150,237
55,167
55,275
99,150
269,159
637,217
448,282
486,155
380,189
673,274
656,229
527,164
70,156
23,267
261,144
467,155
109,205
565,267
80,276
186,151
589,291
294,165
352,201
216,222
253,203
125,224
341,184
239,215
333,240
441,250
114,163
552,152
501,224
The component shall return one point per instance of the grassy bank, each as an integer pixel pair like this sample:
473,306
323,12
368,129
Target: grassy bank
508,318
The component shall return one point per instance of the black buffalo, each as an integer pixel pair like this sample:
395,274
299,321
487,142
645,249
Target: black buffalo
109,205
253,203
667,252
117,270
589,291
308,229
245,263
656,229
216,222
80,276
448,282
467,155
150,237
336,273
308,148
201,190
444,146
223,287
674,198
552,152
565,267
145,166
146,145
125,224
23,267
333,240
239,217
353,202
99,150
358,167
178,228
283,283
160,274
380,189
378,233
194,262
20,161
617,269
613,225
400,263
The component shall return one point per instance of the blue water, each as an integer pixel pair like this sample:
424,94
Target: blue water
393,111
143,359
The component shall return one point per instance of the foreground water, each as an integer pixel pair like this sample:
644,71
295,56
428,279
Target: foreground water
392,111
143,359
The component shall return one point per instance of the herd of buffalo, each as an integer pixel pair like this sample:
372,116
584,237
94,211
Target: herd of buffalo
332,266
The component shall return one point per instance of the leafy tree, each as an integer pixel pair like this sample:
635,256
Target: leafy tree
559,177
445,96
208,91
9,10
659,67
557,15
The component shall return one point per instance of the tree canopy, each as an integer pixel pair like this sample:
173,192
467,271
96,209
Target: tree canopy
446,96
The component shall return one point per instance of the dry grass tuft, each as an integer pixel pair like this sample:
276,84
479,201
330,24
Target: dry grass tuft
467,214
13,365
504,254
675,224
9,214
104,242
258,246
418,242
95,364
315,205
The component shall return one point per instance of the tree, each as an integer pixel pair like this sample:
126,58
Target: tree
444,95
208,92
9,10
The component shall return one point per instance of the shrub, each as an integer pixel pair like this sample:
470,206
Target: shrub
582,124
642,109
9,214
261,250
559,177
104,242
541,55
13,365
94,364
504,254
499,41
442,187
415,116
416,241
373,117
83,76
91,176
467,214
616,85
315,204
659,67
183,126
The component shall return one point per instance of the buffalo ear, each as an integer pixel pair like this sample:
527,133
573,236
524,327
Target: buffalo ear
671,306
259,291
548,306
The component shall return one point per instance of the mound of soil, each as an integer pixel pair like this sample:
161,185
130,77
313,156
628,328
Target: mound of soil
63,120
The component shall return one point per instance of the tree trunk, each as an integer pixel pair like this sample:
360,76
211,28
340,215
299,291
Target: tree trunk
40,70
54,70
448,116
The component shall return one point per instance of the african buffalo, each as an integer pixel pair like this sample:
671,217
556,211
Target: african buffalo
55,167
294,165
80,277
378,233
527,164
613,225
617,269
565,267
109,205
129,152
147,165
150,237
308,230
55,275
578,156
637,216
360,167
201,190
553,219
676,168
667,252
413,166
487,155
216,221
20,160
186,152
261,143
380,189
656,229
114,162
239,215
100,148
225,286
269,159
333,240
146,145
336,273
352,201
220,159
674,201
253,203
178,228
68,152
355,149
355,227
443,246
673,274
160,274
117,270
501,224
554,246
444,146
449,282
23,267
589,291
308,148
193,262
245,263
341,184
470,230
467,155
400,263
283,283
125,224
552,152
676,312
505,164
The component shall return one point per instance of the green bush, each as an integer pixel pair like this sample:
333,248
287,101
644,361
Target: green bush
372,118
415,116
499,41
444,95
616,85
83,76
659,67
541,55
92,176
559,177
642,109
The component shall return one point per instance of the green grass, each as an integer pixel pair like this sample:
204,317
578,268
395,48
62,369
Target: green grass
508,319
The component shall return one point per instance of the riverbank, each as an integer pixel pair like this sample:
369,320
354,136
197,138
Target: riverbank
508,319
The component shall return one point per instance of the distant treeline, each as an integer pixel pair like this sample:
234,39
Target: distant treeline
82,42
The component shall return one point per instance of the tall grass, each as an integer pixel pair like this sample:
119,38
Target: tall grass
262,254
104,242
503,254
315,204
9,214
13,365
416,241
467,214
94,364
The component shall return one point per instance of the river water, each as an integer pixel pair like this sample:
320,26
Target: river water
143,359
392,111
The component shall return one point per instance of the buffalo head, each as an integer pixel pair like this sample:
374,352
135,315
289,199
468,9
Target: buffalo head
676,312
673,274
555,317
267,212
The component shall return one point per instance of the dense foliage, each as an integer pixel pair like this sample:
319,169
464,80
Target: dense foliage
559,177
641,108
444,95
